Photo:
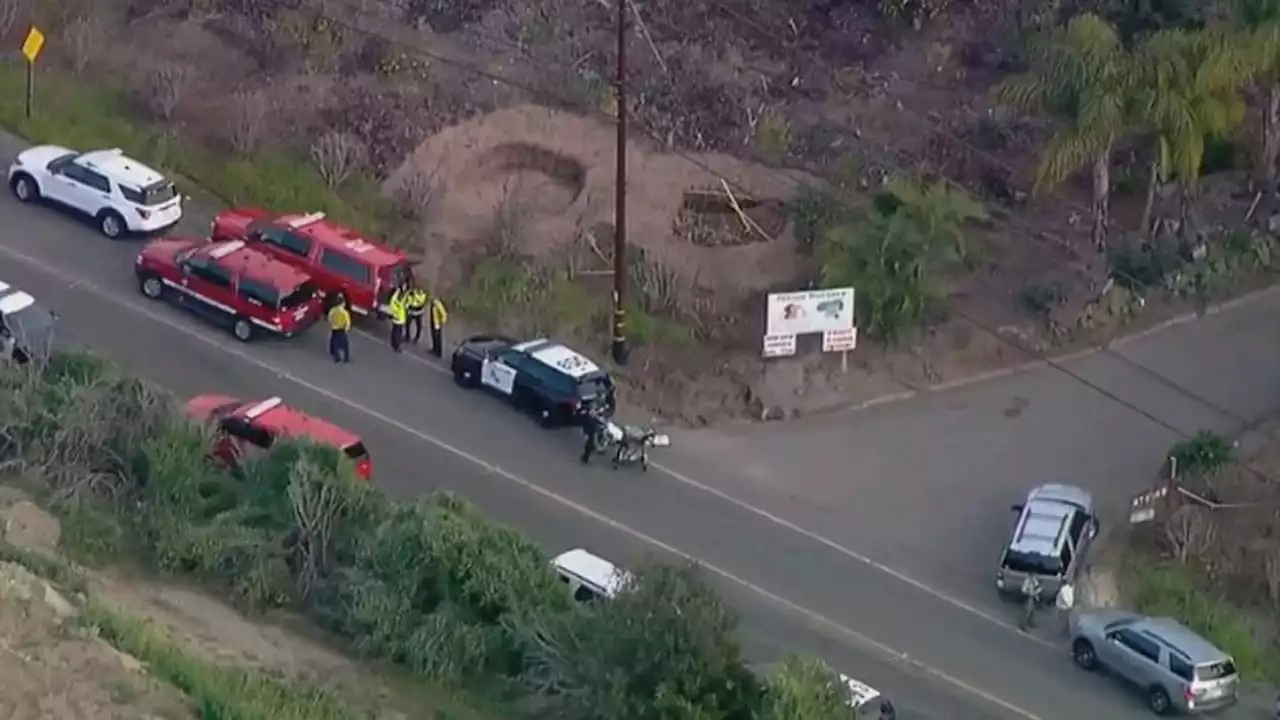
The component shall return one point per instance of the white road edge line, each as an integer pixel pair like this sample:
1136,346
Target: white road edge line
82,284
821,540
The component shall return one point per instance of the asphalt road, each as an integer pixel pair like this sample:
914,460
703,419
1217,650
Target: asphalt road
941,648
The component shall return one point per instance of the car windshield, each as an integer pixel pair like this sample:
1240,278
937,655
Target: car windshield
592,387
355,451
183,255
1216,671
300,295
61,160
1032,563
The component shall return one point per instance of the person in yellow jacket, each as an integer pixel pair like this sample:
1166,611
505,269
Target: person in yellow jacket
339,327
439,316
416,304
398,309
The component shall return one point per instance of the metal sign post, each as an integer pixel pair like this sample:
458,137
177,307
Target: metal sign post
31,48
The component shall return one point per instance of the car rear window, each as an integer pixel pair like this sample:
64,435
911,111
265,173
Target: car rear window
356,451
1216,671
300,295
1033,563
157,194
259,292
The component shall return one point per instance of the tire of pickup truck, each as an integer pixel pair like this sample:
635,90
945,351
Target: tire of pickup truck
242,329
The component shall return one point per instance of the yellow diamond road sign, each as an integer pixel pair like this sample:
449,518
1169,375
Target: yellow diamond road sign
34,43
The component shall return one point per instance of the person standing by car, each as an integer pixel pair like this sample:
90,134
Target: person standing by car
439,316
339,329
416,306
593,424
1065,602
399,317
1031,591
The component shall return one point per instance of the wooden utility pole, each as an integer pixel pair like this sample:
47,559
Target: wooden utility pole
620,351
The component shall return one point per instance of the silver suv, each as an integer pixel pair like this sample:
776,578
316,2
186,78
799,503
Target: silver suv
1055,525
1176,668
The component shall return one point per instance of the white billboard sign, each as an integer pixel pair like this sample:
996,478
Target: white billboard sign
809,311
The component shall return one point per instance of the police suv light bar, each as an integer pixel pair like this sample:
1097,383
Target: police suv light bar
257,410
305,220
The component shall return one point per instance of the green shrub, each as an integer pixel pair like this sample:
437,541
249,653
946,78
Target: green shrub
894,255
1138,267
1203,454
670,632
803,688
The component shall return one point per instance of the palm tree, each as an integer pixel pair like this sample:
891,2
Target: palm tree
1081,75
1187,88
1258,22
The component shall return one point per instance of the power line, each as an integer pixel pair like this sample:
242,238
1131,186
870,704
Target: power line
1030,352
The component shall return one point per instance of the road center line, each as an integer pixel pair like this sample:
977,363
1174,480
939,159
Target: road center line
814,537
87,286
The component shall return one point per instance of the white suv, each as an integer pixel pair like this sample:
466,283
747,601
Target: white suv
121,194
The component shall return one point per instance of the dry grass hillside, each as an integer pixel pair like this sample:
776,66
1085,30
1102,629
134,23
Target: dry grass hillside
100,645
494,119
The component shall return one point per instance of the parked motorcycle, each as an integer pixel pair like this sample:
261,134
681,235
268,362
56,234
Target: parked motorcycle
631,443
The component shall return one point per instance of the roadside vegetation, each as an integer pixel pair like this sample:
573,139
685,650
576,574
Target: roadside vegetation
1212,559
431,586
59,608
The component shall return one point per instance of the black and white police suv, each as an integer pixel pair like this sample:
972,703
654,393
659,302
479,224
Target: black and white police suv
542,377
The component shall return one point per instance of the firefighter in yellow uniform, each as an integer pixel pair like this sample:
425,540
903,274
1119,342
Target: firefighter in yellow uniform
397,308
439,316
416,305
339,330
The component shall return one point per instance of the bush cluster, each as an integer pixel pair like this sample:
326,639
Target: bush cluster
431,585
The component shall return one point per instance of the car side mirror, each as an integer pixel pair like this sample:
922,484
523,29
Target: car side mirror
1016,507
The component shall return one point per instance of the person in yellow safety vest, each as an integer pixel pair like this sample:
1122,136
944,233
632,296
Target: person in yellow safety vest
399,312
339,327
416,304
439,316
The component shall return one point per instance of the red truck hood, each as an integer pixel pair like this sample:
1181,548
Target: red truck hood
232,224
200,407
165,248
